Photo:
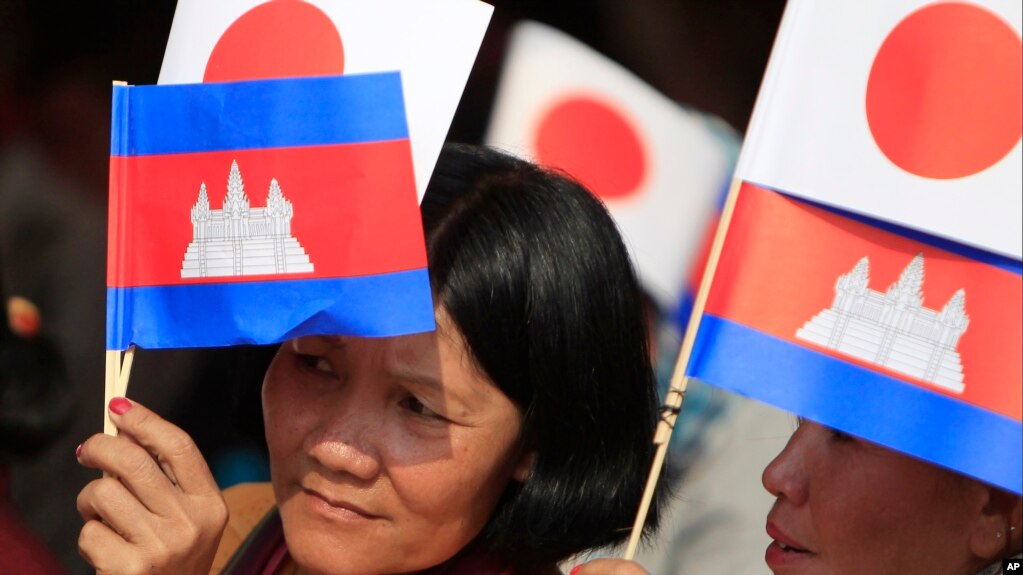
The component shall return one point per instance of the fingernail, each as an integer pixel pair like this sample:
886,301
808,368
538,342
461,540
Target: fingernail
23,317
575,570
120,405
78,451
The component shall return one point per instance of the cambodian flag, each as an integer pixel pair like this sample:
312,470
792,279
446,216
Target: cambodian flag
900,337
254,212
870,278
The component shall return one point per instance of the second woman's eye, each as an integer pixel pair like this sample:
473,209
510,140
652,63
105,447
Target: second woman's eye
316,362
412,403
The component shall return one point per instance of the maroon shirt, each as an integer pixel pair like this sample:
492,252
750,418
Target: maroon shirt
21,550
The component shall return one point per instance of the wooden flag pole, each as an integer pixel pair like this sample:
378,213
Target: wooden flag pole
110,388
116,378
679,382
116,382
125,373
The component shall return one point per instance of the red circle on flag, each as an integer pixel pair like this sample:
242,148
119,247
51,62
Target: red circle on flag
278,39
593,142
945,91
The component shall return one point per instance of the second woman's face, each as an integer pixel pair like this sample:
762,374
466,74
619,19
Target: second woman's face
847,506
388,455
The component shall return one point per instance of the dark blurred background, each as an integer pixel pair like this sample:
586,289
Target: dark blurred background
57,59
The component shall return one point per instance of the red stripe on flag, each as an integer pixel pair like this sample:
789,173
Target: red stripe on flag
781,261
355,208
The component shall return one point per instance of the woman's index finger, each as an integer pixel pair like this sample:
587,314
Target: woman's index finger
173,449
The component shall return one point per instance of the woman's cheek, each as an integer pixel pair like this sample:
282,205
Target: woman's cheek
472,465
288,417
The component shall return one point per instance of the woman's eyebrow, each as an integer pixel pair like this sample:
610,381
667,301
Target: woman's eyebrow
415,377
450,395
337,341
334,341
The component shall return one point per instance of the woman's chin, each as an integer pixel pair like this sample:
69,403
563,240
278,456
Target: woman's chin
330,541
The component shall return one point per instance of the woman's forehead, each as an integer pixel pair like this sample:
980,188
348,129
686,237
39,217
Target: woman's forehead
440,358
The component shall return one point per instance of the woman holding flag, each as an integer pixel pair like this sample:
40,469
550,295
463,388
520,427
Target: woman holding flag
513,437
847,506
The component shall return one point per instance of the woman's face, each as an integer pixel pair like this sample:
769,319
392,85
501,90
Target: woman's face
388,455
848,506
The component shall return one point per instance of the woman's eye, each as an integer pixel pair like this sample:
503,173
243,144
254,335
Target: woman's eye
317,363
417,407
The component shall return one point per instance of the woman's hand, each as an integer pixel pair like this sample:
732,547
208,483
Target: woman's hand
158,509
609,567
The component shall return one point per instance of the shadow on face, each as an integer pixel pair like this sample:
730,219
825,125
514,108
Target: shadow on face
387,454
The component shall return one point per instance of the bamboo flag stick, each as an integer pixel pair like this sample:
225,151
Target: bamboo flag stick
116,384
122,379
116,379
679,382
110,388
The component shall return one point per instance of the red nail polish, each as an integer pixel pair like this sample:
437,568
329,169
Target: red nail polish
120,405
575,570
25,325
78,451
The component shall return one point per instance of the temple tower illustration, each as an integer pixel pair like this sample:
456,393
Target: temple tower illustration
893,329
241,240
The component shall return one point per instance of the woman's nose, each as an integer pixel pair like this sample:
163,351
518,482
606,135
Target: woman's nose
785,476
348,441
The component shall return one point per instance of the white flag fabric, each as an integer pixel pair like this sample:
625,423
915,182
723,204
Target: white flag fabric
660,168
433,44
905,110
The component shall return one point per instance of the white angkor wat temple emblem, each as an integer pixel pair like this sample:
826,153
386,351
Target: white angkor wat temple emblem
893,329
240,240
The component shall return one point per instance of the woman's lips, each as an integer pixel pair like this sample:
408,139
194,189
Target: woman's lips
784,550
337,507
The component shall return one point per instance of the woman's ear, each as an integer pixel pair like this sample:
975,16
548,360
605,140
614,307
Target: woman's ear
996,532
524,466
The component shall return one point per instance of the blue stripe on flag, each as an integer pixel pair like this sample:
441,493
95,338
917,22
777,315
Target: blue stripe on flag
118,127
985,257
369,306
182,118
859,401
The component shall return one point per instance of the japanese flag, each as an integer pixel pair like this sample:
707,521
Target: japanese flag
433,44
905,110
659,167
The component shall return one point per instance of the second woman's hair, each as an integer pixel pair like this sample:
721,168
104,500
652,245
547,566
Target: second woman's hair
532,270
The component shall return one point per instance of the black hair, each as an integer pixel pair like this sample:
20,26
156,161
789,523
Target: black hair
530,267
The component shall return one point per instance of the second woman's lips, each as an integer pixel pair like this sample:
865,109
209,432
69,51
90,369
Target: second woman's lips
785,541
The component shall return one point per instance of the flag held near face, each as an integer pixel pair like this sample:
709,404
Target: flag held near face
905,340
870,277
257,211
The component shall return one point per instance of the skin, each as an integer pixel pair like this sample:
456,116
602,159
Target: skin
855,507
849,506
388,455
157,509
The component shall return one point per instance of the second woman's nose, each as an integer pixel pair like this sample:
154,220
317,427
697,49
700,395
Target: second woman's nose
785,476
